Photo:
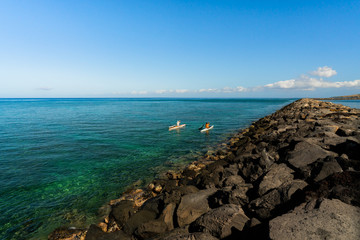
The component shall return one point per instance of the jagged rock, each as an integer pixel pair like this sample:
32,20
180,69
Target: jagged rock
193,206
123,211
161,225
191,236
266,160
350,147
233,180
232,169
67,234
306,153
229,195
151,229
155,204
332,220
264,205
138,219
277,175
344,186
95,233
328,167
221,221
176,194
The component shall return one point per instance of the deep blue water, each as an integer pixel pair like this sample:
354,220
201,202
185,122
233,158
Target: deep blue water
62,159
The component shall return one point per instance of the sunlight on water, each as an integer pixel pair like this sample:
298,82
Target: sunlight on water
62,159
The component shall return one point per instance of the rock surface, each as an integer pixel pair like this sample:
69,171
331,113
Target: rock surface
293,174
332,220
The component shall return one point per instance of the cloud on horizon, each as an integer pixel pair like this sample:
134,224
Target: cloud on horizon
44,89
304,83
307,83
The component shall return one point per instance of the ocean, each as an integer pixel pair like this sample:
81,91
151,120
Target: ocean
62,159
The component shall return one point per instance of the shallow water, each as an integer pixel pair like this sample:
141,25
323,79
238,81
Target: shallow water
62,159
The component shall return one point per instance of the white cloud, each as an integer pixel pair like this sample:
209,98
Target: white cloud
324,72
309,83
44,89
223,90
161,91
139,92
182,91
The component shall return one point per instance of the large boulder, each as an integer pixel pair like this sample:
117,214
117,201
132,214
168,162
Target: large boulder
221,221
122,211
277,175
275,198
235,195
332,220
306,153
161,225
138,219
193,206
326,168
95,233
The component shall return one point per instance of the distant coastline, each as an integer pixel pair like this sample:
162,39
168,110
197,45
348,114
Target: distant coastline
349,97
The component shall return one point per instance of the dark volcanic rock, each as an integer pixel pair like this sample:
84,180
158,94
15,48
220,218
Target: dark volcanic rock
123,211
306,153
229,195
344,186
221,221
193,206
332,220
277,175
95,233
138,219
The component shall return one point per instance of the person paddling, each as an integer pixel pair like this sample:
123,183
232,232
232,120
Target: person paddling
178,123
207,125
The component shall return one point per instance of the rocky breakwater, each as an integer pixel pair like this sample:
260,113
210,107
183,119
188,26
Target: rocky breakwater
293,174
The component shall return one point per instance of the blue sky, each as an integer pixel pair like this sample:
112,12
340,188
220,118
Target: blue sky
179,48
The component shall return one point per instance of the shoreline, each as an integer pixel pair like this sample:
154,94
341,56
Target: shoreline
240,178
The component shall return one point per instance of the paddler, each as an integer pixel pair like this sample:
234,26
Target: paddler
207,125
178,123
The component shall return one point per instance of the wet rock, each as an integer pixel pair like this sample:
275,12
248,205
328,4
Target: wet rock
67,234
95,233
193,206
221,221
332,220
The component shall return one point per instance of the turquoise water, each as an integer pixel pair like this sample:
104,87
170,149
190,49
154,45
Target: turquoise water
62,159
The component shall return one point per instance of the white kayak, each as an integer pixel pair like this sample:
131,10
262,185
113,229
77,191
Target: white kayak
176,127
206,129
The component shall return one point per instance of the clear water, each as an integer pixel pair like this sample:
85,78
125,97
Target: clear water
62,159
